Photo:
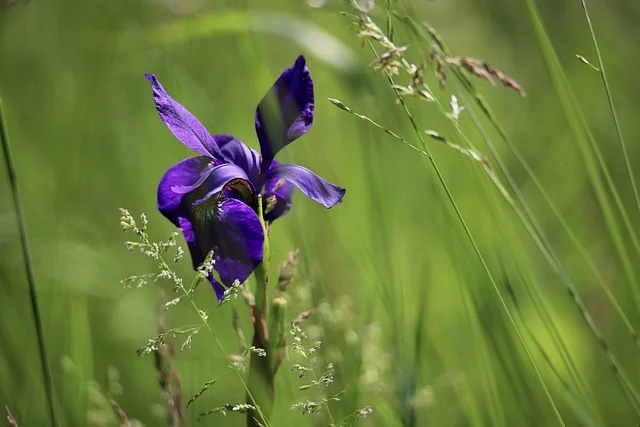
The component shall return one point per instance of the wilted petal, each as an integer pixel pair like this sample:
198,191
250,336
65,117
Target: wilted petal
189,172
312,185
286,111
236,152
182,123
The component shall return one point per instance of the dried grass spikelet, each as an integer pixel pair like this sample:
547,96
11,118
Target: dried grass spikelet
10,418
288,270
121,416
485,71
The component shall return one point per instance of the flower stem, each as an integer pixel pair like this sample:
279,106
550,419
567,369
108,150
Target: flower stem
26,254
261,374
261,273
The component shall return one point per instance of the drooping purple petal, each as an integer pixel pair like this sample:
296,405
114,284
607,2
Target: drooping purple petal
241,241
217,287
277,195
230,229
286,111
197,255
182,123
236,152
185,173
312,185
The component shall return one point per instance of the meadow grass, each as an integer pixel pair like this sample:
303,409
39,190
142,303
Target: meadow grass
470,277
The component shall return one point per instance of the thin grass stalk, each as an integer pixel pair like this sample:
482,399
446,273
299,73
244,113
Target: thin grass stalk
615,366
547,359
395,297
535,295
536,233
582,132
585,397
612,108
496,410
565,353
381,239
585,140
469,235
28,266
527,211
563,222
480,101
450,359
485,108
547,254
418,348
547,251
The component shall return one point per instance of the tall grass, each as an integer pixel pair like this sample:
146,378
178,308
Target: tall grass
451,291
28,268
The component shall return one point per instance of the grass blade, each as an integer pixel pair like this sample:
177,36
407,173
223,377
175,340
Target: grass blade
28,266
585,143
612,108
475,246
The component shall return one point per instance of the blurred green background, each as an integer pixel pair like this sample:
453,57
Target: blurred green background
408,314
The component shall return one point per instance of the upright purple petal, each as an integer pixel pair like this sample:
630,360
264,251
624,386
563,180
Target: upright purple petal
188,172
236,152
182,123
313,186
286,111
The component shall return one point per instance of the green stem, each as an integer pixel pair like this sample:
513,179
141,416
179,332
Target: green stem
261,374
612,107
28,266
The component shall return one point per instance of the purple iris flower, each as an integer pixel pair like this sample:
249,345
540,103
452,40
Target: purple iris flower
212,197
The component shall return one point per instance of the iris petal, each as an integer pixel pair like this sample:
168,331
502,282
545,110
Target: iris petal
236,152
309,183
197,256
182,123
217,287
185,173
286,111
241,241
216,179
230,229
278,194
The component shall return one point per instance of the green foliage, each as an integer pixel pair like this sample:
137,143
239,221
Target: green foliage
524,316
